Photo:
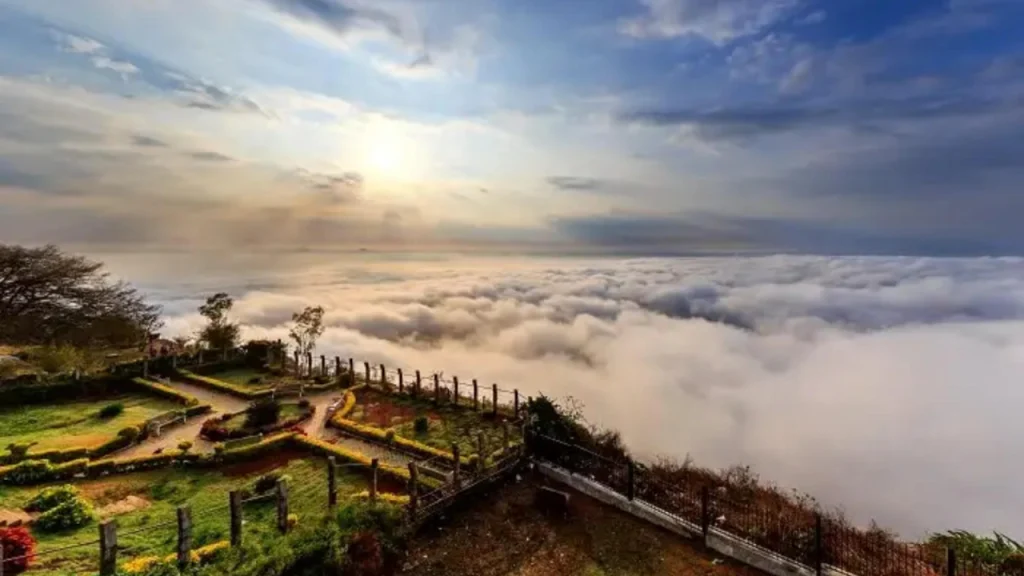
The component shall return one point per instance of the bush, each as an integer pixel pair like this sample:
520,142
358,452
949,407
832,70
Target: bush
185,446
321,379
111,410
71,514
19,451
16,542
421,425
256,380
365,555
389,437
129,433
262,413
266,483
50,498
304,403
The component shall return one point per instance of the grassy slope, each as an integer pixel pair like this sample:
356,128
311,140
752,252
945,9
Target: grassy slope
446,425
504,534
206,491
76,424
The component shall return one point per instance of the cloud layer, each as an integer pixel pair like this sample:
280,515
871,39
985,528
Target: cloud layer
889,386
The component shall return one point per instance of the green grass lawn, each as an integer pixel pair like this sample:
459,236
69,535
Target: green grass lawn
445,424
76,424
206,491
244,376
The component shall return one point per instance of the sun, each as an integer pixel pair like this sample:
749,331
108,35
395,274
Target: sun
386,151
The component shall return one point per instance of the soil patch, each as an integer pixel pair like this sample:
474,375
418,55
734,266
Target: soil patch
264,465
381,411
10,517
124,506
504,534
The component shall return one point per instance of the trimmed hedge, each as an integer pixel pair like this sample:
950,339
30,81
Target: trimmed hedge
222,386
326,449
165,391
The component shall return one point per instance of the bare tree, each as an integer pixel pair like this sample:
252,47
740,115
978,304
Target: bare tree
49,297
309,325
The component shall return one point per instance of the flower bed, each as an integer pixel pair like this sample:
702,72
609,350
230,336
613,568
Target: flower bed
232,426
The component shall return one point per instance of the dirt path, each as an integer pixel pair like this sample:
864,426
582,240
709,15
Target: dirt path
502,533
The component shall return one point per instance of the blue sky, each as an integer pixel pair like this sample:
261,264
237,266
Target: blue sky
619,126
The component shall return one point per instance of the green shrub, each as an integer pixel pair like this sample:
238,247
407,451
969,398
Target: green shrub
50,498
111,410
421,425
129,433
256,380
266,483
74,513
389,437
264,412
185,446
29,472
304,403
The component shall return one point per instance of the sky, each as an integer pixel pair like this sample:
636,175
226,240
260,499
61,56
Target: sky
888,387
631,127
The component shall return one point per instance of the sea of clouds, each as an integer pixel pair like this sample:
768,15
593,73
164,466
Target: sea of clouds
892,387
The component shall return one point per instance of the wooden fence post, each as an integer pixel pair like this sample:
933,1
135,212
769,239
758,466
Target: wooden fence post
401,381
416,390
819,550
515,412
456,480
437,390
476,395
199,360
374,468
184,537
494,398
323,365
108,548
413,488
352,371
282,506
332,482
366,366
950,562
631,480
455,392
145,367
337,368
309,364
235,501
383,376
298,366
705,512
505,436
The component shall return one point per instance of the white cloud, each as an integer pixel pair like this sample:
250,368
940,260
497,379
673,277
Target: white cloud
123,68
888,385
78,44
717,21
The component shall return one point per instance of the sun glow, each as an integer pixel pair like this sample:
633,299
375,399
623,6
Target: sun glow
387,151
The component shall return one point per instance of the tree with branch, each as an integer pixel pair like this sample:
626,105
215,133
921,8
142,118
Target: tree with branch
50,297
307,328
219,333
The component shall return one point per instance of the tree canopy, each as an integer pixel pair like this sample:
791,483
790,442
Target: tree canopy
308,326
50,297
219,333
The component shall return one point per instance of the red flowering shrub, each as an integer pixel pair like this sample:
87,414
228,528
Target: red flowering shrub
17,543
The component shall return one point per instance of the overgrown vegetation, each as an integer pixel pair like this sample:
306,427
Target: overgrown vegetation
219,333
